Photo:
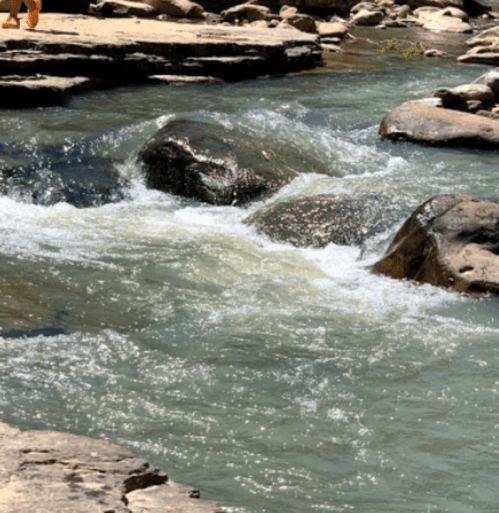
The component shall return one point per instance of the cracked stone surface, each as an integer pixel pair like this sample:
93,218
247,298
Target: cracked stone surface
44,471
116,52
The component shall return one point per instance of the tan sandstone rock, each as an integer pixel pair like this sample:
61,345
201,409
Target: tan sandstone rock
368,18
48,471
334,29
421,123
450,241
177,8
301,22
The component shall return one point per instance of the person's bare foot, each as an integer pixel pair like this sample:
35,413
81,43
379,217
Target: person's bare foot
33,16
11,23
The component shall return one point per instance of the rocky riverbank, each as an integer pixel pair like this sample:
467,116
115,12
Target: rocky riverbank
43,471
72,53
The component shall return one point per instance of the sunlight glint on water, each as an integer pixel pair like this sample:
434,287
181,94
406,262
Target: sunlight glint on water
269,377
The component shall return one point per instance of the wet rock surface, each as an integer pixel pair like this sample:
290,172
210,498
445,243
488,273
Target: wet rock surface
58,174
316,221
42,471
450,241
218,165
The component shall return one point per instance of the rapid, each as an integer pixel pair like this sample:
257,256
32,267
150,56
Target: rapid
269,377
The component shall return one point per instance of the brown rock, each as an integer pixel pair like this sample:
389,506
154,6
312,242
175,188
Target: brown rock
421,123
319,220
122,8
447,20
217,165
178,8
450,241
302,22
43,471
368,18
490,79
286,10
249,12
332,29
457,97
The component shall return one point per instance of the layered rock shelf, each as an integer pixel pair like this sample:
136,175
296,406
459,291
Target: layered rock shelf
70,53
42,471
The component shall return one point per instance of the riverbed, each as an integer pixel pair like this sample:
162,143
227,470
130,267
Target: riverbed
269,377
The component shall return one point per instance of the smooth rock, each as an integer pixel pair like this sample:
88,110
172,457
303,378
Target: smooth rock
364,6
301,22
457,97
420,123
368,18
332,29
122,8
177,8
249,12
447,20
433,52
286,10
440,4
217,165
45,471
450,241
319,220
491,79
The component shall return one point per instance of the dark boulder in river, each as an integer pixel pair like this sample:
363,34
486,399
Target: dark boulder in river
316,221
451,241
218,165
420,122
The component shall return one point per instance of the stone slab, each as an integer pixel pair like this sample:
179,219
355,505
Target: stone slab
121,51
43,471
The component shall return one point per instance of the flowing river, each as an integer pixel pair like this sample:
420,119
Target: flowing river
269,377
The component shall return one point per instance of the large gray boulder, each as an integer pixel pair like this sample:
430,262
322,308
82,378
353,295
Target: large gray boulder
420,122
218,165
450,241
45,471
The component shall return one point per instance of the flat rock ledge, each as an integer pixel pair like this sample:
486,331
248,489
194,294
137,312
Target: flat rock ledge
67,53
43,471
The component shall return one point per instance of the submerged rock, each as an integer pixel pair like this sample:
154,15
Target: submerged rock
319,220
42,471
218,165
62,175
451,241
420,122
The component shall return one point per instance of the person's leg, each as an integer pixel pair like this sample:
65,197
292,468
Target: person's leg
13,22
34,8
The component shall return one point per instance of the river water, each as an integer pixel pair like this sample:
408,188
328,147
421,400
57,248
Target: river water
271,378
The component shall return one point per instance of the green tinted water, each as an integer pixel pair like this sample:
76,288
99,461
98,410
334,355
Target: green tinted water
270,378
